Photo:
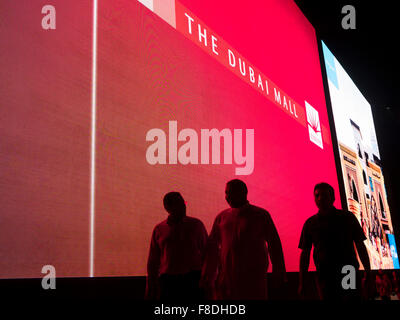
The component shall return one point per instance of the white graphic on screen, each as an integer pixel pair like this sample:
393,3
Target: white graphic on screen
314,126
148,3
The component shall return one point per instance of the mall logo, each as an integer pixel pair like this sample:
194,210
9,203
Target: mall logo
314,126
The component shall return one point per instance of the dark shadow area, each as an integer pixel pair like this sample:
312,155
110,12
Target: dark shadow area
133,288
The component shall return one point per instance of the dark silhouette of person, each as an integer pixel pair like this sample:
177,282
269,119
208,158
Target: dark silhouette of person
333,234
367,287
396,284
383,286
176,254
237,256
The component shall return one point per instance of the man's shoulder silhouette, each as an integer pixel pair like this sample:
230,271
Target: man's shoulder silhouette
335,213
185,220
345,216
193,221
223,213
258,209
161,224
247,208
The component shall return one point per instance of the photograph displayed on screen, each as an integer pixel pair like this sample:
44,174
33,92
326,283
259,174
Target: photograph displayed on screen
361,165
172,95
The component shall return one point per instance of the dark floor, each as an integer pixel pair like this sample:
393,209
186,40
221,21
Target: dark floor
131,288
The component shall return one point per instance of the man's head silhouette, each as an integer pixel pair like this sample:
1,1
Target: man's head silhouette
324,196
175,204
236,193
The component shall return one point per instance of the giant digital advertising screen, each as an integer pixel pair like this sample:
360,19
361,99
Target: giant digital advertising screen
361,164
123,101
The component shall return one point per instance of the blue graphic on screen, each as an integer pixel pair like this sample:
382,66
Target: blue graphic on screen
393,250
330,65
371,185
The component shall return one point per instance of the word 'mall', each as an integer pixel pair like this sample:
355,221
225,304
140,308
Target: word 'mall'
196,150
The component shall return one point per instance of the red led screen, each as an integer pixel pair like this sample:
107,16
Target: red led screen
189,94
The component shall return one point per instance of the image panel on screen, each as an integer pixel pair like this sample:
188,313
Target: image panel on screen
361,164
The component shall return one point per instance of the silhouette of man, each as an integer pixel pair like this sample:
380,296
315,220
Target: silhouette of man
237,256
176,254
333,234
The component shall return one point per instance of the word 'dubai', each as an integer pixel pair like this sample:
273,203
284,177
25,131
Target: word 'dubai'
190,153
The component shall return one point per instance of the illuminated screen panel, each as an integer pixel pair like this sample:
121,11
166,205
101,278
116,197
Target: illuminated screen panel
44,138
168,78
361,164
188,96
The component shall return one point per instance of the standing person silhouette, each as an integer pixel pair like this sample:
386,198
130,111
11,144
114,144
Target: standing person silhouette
383,286
333,234
176,254
396,284
237,256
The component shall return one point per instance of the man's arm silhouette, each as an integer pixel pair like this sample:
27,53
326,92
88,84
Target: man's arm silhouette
275,249
363,254
153,265
202,242
304,264
211,256
305,245
358,238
